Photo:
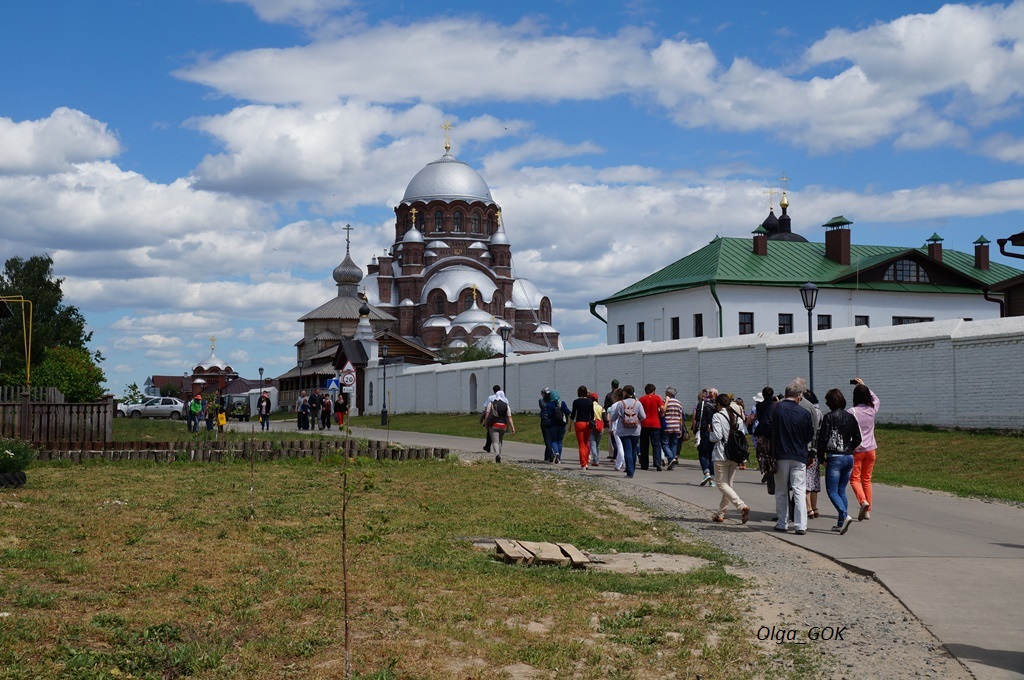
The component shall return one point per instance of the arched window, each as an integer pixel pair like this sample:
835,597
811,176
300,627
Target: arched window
475,223
438,221
370,395
421,220
490,224
545,311
905,271
439,304
467,301
457,219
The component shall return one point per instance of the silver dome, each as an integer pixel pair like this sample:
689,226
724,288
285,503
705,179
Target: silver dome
456,278
438,244
525,295
447,179
499,237
348,272
414,235
473,318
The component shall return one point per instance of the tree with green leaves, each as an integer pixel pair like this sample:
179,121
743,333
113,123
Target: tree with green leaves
55,326
72,371
456,355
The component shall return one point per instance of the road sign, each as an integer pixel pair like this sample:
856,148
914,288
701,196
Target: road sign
348,379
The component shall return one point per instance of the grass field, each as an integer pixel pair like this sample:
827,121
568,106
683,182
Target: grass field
978,464
156,571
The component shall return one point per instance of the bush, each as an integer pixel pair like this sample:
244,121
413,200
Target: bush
15,455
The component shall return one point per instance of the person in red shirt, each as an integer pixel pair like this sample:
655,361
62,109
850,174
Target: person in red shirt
650,427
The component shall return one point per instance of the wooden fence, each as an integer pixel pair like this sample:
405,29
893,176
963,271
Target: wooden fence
45,422
213,451
49,395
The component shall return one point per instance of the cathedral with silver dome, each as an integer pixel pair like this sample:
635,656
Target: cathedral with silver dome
449,278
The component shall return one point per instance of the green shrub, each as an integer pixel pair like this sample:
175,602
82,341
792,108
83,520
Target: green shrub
15,455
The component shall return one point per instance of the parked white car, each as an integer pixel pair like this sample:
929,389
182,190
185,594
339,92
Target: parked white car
154,407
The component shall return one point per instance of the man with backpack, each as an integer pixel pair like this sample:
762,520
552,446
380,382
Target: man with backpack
702,419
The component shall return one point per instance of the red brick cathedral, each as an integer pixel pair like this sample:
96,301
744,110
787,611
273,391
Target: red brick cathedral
449,278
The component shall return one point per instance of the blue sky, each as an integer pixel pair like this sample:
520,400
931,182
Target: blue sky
189,165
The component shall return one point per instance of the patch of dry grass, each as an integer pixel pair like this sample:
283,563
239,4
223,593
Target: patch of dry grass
156,571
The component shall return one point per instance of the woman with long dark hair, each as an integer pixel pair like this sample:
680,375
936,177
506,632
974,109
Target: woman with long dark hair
723,422
838,436
865,407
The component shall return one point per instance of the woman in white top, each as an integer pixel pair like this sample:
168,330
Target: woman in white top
724,420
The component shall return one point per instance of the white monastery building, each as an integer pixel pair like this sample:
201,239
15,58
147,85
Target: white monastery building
741,286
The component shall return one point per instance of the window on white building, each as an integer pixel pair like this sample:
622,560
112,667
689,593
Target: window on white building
824,322
861,320
675,327
622,333
903,320
640,331
746,323
785,324
698,325
905,271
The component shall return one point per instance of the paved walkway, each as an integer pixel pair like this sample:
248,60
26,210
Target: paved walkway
957,564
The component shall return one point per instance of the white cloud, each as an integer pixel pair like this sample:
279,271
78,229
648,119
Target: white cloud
303,12
52,144
885,88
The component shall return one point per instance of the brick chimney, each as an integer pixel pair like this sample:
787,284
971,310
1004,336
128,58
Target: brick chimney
837,240
935,247
760,241
981,253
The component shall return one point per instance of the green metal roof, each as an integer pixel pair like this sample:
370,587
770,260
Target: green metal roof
732,261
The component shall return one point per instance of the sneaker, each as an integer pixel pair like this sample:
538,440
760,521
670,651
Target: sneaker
717,518
780,529
712,483
497,458
863,511
839,529
658,468
800,532
744,514
707,478
846,525
672,463
867,515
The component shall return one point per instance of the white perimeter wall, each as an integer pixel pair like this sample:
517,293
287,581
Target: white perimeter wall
953,373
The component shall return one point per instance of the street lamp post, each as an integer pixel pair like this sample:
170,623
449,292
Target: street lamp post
384,392
261,378
505,331
809,295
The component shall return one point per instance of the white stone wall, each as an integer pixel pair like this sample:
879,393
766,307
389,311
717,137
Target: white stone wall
950,373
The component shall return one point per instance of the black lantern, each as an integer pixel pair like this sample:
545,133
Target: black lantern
384,393
505,332
809,295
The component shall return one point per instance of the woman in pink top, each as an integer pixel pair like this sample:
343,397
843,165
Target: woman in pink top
865,406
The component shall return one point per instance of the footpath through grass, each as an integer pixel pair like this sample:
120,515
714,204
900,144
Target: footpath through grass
156,571
977,464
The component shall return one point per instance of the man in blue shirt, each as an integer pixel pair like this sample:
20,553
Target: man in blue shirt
792,430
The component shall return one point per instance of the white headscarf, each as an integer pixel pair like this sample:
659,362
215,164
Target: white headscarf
500,396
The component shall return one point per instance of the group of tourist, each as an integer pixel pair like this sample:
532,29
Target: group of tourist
792,439
319,410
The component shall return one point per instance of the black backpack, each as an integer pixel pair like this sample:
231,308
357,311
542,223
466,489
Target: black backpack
736,448
555,415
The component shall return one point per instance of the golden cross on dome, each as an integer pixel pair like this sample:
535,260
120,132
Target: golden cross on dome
474,293
498,216
412,217
213,341
447,127
770,193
